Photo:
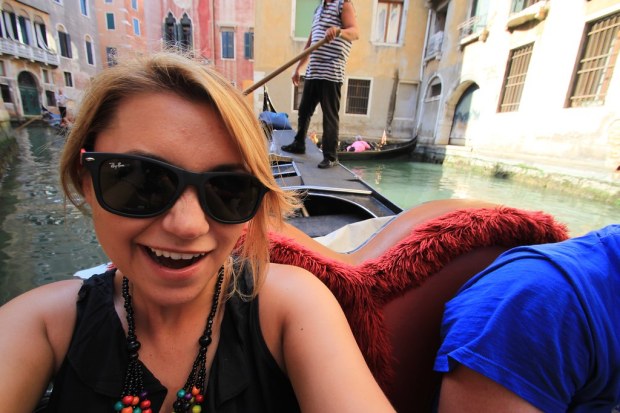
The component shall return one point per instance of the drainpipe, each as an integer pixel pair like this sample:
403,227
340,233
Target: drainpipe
421,96
213,29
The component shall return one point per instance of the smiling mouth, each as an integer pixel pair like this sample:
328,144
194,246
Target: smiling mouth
173,260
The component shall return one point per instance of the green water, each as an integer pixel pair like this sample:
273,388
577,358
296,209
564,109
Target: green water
43,240
409,183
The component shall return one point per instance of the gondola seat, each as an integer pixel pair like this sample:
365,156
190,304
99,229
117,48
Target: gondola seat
393,288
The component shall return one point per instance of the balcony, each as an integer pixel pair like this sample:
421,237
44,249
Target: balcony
473,29
533,13
11,47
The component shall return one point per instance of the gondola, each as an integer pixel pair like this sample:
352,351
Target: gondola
386,151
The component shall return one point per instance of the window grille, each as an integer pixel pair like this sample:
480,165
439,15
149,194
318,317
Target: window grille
358,93
597,62
516,72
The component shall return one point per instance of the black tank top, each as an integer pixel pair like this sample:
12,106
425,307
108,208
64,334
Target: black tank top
244,376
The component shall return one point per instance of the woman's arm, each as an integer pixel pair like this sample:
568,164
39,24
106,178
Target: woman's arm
36,330
309,336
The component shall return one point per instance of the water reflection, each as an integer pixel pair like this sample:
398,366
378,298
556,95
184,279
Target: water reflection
411,183
41,238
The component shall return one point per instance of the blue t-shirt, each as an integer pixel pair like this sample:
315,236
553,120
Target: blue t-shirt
544,322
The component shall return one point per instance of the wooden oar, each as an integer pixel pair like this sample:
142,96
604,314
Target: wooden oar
23,125
282,68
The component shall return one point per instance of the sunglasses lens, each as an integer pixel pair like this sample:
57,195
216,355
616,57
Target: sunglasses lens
136,187
233,198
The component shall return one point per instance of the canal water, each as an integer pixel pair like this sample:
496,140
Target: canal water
42,239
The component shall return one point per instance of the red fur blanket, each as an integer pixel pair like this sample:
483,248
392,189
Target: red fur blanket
363,289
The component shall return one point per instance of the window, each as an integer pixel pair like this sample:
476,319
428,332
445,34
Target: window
108,1
111,56
170,33
65,44
68,79
518,5
228,44
41,35
58,1
477,20
50,97
10,24
109,18
46,75
2,68
186,33
304,10
516,71
388,20
84,7
136,26
434,89
24,29
358,94
6,94
89,51
299,90
248,45
134,4
596,64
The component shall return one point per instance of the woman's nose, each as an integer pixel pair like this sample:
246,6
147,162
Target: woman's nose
186,219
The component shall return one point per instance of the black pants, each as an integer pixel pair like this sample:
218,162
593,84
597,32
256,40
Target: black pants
328,95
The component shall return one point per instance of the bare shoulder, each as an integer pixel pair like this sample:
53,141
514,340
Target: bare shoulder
289,285
48,312
36,330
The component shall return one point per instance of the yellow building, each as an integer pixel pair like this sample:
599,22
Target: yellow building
382,77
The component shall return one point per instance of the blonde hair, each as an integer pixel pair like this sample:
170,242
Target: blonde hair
168,72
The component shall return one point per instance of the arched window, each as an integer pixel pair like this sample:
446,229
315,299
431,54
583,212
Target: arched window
170,35
64,40
186,33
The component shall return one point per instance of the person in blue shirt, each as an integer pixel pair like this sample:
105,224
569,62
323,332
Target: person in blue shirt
538,330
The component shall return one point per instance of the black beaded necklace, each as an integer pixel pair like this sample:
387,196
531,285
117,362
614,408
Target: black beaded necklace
134,398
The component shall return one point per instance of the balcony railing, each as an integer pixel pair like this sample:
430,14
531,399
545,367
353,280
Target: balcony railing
8,46
472,26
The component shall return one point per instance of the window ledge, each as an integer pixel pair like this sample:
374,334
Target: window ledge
536,12
480,35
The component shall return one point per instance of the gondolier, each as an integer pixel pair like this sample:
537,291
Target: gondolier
333,20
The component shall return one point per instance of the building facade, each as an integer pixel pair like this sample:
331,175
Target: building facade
45,45
382,76
531,80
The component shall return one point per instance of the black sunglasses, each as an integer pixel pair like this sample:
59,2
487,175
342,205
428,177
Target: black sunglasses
140,187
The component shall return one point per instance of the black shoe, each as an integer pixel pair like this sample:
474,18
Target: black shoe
326,163
294,148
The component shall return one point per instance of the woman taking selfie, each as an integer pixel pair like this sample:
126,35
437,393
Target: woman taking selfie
172,165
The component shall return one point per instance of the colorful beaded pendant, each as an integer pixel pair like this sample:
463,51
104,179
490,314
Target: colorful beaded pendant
134,398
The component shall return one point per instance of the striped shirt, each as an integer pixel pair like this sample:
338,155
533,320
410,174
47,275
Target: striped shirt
328,61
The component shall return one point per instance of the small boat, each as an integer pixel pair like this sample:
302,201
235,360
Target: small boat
378,151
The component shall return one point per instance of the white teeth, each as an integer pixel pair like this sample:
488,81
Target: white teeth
175,255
